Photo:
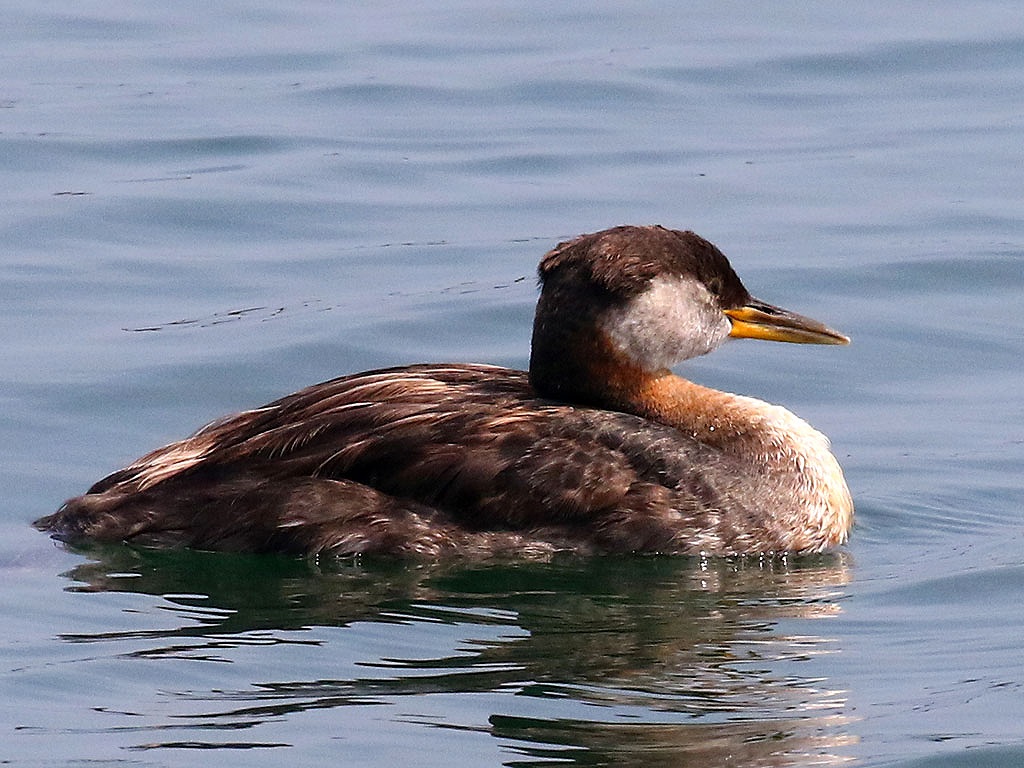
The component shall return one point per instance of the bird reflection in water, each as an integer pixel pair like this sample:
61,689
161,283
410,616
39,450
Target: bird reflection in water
632,660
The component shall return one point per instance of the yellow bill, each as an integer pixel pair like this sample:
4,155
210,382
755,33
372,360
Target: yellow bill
758,320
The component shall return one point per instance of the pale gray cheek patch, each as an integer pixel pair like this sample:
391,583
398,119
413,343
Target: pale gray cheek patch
673,320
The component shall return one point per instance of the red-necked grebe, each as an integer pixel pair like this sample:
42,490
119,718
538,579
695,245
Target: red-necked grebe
599,448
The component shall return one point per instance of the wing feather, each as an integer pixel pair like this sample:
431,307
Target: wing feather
415,460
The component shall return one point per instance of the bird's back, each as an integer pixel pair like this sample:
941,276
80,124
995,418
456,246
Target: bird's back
426,460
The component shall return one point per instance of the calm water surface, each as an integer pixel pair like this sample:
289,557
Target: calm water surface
207,205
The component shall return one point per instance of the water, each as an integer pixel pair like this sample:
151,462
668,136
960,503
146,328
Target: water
206,206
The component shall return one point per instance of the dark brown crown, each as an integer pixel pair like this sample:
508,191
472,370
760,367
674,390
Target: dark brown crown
623,260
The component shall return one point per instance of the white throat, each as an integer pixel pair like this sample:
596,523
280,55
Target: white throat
674,319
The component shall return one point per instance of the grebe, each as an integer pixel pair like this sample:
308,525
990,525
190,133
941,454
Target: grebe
598,449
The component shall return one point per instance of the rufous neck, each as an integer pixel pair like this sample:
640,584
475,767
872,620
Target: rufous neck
710,416
791,458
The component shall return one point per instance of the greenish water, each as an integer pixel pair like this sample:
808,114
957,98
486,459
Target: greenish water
208,206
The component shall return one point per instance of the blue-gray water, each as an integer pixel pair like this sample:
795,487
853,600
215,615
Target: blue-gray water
208,205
